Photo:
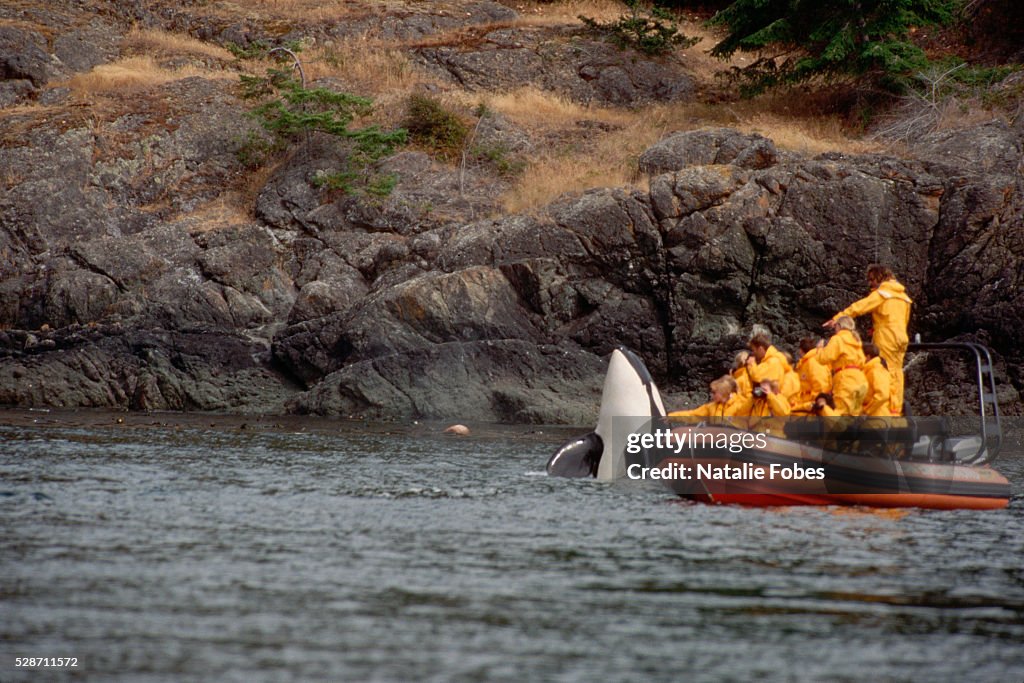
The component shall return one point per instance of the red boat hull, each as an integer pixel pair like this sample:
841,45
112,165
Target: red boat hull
716,475
876,500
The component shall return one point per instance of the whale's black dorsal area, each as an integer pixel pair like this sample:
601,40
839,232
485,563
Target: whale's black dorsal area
577,459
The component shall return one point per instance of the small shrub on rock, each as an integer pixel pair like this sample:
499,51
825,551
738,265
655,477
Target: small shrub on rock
436,128
651,31
288,112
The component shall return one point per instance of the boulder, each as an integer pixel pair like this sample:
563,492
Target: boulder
23,55
679,150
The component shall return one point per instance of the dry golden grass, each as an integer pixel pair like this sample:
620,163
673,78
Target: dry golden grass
569,157
800,120
230,209
362,67
601,154
367,67
135,74
955,114
153,41
551,176
537,110
808,137
604,153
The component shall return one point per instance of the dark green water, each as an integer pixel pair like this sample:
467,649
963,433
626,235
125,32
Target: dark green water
311,551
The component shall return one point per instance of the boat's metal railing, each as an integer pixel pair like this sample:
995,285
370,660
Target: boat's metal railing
988,405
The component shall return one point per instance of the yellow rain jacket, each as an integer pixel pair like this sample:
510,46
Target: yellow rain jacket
763,414
889,306
772,367
815,379
790,387
743,384
772,405
712,409
877,402
828,412
845,357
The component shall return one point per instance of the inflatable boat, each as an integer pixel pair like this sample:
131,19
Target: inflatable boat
879,462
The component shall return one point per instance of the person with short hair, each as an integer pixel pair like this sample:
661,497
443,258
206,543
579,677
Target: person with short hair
764,410
765,363
845,357
889,306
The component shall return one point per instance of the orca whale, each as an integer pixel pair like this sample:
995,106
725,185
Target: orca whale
630,402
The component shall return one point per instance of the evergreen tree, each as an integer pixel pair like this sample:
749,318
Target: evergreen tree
799,40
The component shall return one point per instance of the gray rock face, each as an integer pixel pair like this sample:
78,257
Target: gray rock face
975,271
430,196
115,367
23,55
83,48
116,290
586,70
32,60
500,381
378,308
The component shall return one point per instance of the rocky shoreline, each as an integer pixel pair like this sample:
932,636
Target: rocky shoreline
118,292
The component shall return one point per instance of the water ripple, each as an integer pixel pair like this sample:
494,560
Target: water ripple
180,552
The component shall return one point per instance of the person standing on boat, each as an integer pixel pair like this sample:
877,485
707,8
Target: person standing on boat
723,403
877,402
815,378
889,306
844,355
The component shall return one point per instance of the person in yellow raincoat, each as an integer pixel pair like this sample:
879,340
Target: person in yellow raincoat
764,410
740,373
833,423
815,378
765,363
790,386
845,357
724,401
823,405
877,402
765,401
889,306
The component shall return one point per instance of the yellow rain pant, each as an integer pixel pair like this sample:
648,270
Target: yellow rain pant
849,389
879,389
